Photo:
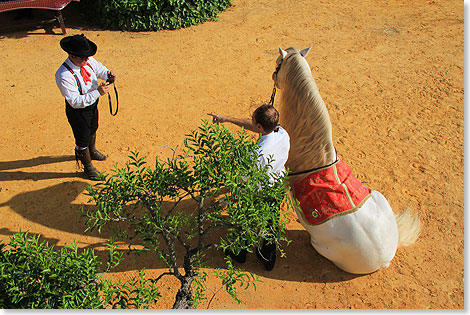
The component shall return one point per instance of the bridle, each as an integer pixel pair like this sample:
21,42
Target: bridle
278,67
273,94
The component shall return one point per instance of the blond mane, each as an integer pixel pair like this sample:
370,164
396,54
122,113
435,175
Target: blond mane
304,115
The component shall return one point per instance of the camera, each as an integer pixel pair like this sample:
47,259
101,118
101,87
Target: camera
110,79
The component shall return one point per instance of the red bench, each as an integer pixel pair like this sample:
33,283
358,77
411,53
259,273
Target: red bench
56,5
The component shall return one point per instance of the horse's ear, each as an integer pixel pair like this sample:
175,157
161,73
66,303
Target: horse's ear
282,52
305,51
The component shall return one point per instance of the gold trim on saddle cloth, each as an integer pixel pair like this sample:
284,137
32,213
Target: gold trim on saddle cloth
329,192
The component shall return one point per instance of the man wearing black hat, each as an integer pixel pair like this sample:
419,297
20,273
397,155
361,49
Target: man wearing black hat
77,79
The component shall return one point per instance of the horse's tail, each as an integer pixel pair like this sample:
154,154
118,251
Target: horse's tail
409,227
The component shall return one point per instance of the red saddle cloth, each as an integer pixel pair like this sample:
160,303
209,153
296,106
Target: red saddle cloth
330,192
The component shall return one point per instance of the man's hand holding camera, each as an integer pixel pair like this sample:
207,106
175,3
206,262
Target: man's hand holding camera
111,77
103,88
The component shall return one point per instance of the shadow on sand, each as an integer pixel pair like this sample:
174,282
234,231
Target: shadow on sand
54,207
6,173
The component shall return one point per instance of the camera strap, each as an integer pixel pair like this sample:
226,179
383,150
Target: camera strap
117,102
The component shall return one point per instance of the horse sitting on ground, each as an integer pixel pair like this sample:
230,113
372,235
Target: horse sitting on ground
349,224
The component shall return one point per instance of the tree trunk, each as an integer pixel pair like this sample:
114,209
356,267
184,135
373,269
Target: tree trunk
184,297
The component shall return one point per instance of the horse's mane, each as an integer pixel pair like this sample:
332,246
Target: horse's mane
305,117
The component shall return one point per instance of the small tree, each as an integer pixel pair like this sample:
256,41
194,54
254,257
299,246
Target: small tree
36,275
232,198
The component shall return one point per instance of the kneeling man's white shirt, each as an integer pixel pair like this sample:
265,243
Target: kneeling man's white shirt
276,146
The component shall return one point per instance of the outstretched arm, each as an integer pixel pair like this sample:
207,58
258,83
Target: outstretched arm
245,123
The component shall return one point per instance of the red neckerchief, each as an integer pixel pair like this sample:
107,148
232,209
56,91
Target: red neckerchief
85,75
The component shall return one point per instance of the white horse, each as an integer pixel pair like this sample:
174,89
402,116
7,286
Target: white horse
365,236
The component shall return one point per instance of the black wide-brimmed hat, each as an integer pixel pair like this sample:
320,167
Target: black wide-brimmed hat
78,45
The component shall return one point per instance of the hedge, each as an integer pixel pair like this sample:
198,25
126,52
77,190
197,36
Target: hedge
151,15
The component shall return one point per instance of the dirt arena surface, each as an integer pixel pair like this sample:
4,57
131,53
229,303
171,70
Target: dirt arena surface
391,74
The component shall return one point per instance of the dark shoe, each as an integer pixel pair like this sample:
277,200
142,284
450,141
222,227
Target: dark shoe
95,154
91,172
84,157
267,257
241,257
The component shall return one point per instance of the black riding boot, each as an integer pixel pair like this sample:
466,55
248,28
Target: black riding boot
95,154
267,254
84,157
241,257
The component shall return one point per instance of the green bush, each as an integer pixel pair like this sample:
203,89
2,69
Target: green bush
151,15
36,275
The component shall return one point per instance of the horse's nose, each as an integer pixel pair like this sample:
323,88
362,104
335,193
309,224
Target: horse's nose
274,76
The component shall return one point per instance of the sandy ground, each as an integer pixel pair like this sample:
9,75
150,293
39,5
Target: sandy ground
390,72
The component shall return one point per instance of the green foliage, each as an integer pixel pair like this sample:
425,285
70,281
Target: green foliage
151,15
136,293
213,195
35,275
233,276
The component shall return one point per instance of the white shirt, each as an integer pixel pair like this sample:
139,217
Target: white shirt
69,88
277,145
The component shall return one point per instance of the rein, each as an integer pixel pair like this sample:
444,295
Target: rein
273,95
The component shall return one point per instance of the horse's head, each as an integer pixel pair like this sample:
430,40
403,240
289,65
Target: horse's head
282,62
